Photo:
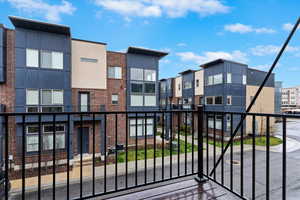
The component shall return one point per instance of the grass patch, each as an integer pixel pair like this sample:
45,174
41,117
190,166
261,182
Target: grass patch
158,152
259,141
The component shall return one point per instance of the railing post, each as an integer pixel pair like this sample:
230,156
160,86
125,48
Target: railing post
200,112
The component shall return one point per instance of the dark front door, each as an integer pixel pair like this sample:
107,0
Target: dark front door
83,140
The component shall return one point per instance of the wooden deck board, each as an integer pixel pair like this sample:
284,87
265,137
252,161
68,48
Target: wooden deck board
187,189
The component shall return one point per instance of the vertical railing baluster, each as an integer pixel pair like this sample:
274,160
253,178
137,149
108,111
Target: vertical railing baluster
116,152
54,155
94,149
242,157
154,158
222,148
207,146
185,144
171,144
105,152
178,144
6,155
231,152
23,156
39,155
68,156
81,154
145,149
268,158
136,149
126,159
284,158
214,138
200,119
253,155
163,147
193,140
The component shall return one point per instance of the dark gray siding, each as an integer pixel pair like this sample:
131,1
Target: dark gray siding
40,78
145,62
190,92
2,67
256,77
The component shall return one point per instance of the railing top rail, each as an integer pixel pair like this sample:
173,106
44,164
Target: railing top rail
91,113
252,114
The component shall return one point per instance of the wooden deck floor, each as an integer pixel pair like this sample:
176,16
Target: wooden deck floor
187,189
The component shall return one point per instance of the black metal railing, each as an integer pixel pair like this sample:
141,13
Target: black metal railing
106,152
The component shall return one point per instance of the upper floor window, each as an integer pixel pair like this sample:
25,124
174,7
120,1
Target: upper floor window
92,60
84,101
136,74
179,87
32,58
209,100
229,100
115,72
229,78
187,85
136,87
218,100
210,80
244,79
149,88
197,83
32,97
162,86
51,59
52,97
218,79
150,75
46,59
115,99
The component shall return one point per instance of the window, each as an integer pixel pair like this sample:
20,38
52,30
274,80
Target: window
150,75
48,132
215,123
229,100
136,74
210,80
179,87
228,122
115,99
32,58
84,98
52,60
162,87
32,97
32,138
115,72
32,109
218,79
244,79
197,83
209,100
187,85
137,87
136,100
143,127
150,100
52,97
149,88
218,100
92,60
228,77
49,109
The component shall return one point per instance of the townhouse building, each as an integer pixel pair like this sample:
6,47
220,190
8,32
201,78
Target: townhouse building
290,97
43,69
225,86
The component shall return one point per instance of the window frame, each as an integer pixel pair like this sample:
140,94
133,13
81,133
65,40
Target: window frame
212,98
115,102
117,72
27,58
79,101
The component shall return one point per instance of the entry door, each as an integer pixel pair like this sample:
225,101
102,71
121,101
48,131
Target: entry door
84,141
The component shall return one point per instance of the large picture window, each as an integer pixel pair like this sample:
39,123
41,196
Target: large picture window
149,88
32,58
218,100
52,97
218,79
32,97
136,100
137,87
150,75
150,100
140,128
136,74
51,59
115,72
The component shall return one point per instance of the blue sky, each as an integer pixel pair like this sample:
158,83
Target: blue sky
192,31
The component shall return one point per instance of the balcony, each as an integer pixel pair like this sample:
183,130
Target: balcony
130,159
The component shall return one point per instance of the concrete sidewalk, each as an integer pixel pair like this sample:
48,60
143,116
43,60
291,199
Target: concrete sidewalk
46,180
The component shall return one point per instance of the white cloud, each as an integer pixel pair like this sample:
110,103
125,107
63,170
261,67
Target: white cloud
288,27
242,28
181,44
263,50
50,12
210,56
262,67
157,8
